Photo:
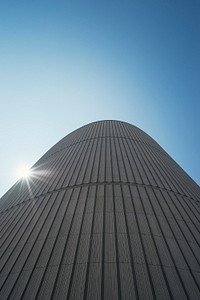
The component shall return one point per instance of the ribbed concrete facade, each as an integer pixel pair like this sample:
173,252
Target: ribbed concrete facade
108,215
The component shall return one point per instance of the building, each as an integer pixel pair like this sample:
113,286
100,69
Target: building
107,214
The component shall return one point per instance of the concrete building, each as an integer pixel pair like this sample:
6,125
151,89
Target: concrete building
106,214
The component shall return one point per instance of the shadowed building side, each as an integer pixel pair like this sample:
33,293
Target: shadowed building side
106,214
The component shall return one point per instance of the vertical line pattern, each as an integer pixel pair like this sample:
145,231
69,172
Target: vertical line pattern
108,214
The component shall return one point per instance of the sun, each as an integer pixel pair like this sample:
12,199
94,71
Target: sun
23,171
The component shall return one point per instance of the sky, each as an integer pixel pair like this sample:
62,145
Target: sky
64,64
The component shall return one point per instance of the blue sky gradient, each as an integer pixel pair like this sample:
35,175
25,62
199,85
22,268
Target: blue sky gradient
68,63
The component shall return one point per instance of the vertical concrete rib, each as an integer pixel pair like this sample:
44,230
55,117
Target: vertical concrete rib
108,214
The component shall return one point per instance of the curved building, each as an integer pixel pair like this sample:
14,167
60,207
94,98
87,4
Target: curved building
107,214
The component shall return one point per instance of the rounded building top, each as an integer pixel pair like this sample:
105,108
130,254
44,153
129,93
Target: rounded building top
103,129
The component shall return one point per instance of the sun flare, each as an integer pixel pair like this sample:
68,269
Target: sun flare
23,171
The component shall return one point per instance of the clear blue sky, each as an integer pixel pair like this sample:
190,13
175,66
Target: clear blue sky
64,64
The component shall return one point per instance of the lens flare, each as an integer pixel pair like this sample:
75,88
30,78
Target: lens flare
23,171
